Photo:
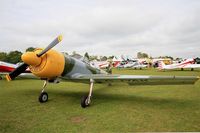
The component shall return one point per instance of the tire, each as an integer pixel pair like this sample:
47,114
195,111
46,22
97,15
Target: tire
192,69
43,97
84,102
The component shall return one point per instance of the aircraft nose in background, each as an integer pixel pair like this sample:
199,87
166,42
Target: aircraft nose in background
31,58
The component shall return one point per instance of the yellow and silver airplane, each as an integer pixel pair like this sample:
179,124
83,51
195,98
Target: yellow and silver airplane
51,66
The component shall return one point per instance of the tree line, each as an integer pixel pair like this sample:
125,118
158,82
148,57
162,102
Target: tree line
15,56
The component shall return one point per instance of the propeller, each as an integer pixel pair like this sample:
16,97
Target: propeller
22,68
51,45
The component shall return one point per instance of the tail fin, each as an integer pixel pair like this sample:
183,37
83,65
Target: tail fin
161,65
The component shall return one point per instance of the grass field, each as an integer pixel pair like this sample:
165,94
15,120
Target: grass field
116,108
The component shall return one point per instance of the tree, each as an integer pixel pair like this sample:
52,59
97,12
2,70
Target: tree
14,56
111,57
74,53
93,57
197,60
87,55
30,49
3,56
142,55
104,58
169,57
139,55
145,55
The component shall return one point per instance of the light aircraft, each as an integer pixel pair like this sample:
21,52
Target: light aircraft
138,65
51,66
116,61
132,64
106,64
187,64
6,67
100,64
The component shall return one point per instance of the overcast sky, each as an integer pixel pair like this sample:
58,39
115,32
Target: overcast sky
103,27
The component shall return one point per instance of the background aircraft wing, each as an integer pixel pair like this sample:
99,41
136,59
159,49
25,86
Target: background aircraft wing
134,79
22,76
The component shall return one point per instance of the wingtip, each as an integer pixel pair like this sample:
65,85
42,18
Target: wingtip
8,77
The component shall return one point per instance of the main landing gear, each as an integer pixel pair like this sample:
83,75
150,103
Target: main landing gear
43,97
86,100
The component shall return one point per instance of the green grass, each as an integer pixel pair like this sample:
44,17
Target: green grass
114,108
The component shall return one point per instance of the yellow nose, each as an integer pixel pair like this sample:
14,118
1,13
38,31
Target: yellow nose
31,58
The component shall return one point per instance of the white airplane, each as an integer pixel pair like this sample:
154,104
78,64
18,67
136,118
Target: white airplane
187,64
105,64
100,64
6,68
132,64
53,66
116,61
139,65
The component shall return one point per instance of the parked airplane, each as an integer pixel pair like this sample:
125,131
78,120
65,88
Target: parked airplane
187,64
132,64
51,66
6,67
105,64
138,65
116,61
100,64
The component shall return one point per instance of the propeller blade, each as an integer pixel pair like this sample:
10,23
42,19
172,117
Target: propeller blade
20,69
51,45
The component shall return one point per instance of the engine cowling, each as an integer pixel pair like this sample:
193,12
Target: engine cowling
49,65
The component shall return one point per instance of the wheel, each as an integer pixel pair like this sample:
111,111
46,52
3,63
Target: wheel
140,68
192,69
181,69
43,97
84,101
1,78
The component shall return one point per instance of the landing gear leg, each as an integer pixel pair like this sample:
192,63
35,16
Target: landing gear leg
86,100
43,97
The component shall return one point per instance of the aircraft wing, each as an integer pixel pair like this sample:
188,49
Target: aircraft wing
22,76
192,66
134,79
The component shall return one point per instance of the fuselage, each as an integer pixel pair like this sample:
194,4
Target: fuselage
189,63
74,66
7,67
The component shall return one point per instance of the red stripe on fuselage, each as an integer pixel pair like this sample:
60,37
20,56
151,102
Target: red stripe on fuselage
185,63
10,69
6,69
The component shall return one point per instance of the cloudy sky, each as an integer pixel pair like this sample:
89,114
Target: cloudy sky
103,27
